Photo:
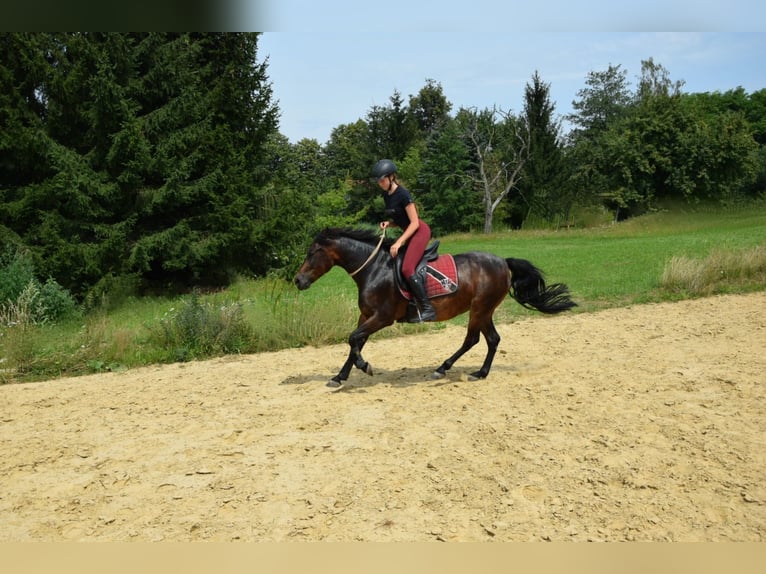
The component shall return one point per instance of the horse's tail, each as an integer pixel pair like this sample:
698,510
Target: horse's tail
529,290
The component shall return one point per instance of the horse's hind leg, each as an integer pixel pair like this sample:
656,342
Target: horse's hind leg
493,340
471,338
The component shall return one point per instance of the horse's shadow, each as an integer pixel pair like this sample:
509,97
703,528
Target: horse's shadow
398,378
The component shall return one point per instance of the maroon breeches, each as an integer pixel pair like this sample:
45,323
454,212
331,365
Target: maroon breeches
416,245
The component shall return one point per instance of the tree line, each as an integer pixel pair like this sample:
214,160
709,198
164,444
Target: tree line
153,162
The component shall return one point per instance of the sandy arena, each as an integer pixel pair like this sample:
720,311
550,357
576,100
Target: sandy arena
642,423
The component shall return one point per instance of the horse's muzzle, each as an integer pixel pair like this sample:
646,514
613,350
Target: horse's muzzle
302,281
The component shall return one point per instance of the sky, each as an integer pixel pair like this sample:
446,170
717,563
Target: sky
322,80
329,63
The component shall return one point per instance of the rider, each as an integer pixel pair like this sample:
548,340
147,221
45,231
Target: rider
415,233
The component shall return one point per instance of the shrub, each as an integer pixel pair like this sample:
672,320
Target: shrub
200,329
16,271
56,302
17,318
24,300
111,291
38,304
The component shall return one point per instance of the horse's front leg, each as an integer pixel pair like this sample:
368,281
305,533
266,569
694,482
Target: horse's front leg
356,341
354,360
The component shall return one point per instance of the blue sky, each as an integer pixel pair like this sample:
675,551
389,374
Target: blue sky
331,61
323,80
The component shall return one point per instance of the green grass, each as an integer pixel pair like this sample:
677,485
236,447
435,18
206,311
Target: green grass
622,264
664,256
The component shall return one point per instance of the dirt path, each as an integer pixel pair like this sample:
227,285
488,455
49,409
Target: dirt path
645,423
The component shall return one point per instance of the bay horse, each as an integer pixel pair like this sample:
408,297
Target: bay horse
484,280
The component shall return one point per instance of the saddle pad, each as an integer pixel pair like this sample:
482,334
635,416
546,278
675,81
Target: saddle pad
441,276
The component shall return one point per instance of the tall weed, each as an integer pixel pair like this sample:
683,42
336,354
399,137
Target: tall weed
17,319
284,317
719,270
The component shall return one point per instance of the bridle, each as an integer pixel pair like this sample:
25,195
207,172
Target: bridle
372,255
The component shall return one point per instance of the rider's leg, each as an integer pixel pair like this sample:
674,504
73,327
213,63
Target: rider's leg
415,247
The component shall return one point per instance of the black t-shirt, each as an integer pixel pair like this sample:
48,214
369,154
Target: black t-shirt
396,204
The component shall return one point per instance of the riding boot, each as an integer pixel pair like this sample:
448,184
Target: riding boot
418,287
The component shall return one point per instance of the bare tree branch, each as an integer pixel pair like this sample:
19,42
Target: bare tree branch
500,160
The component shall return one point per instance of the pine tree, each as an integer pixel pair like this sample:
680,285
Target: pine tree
541,189
135,154
57,199
198,218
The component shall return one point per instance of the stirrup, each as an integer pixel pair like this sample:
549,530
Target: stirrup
422,316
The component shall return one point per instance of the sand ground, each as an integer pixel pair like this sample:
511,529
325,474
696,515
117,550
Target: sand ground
641,423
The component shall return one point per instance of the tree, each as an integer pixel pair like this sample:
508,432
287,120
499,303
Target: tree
62,207
541,187
499,144
392,128
429,108
447,195
655,82
602,104
755,112
722,112
288,204
350,155
667,147
752,106
198,217
146,150
347,151
605,100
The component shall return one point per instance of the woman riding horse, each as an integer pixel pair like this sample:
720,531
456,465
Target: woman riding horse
484,280
415,234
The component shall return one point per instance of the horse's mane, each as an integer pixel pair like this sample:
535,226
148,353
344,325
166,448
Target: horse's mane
361,235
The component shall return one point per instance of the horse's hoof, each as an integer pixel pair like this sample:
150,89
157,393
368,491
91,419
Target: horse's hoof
368,369
437,375
333,384
477,376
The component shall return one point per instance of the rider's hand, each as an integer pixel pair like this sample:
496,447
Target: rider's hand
384,224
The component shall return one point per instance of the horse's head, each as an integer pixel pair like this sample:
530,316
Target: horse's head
320,259
349,248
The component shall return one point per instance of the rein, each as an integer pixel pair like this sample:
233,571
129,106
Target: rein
372,255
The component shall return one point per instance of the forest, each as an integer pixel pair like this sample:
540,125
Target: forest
152,163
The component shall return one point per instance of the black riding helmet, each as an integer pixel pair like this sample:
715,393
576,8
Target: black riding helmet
382,168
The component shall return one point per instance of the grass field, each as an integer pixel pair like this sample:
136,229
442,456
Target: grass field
658,257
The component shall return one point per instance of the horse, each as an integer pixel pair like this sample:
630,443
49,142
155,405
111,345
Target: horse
484,280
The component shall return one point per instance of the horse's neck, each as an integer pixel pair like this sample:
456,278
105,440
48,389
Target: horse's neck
355,254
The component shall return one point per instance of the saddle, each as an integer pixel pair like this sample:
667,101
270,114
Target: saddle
441,273
430,254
